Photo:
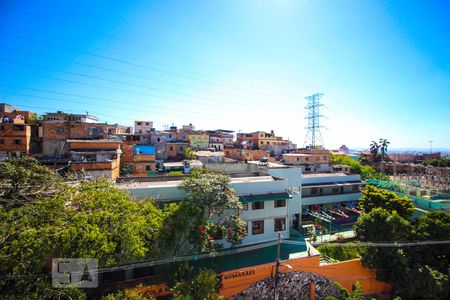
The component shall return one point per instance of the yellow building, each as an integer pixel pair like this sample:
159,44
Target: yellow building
199,141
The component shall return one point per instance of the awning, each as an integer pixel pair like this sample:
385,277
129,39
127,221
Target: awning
264,197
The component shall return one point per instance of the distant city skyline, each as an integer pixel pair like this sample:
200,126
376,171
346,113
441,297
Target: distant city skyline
383,67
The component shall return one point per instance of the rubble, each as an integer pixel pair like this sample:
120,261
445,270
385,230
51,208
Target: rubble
292,285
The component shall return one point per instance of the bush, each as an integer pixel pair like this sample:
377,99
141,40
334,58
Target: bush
341,253
175,173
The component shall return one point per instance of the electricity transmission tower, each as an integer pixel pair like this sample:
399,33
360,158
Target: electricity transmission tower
313,135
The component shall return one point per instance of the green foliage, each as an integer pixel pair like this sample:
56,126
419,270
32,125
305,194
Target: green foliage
212,194
190,154
376,198
133,294
367,172
175,173
433,226
342,290
358,293
89,220
341,253
24,181
126,170
180,220
203,286
419,272
443,162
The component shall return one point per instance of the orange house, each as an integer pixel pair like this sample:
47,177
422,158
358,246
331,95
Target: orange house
97,158
15,138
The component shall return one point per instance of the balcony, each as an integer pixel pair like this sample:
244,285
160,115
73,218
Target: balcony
330,198
94,165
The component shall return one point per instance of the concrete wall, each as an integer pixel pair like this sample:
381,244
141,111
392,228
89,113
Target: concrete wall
233,168
54,148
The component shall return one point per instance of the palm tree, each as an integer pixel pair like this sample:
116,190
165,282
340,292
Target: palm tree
374,147
383,147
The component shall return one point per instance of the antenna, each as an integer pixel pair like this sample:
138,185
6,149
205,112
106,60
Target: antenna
313,135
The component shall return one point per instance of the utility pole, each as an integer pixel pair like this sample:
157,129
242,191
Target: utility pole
313,134
277,267
431,142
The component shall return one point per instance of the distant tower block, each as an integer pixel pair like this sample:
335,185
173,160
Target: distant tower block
313,136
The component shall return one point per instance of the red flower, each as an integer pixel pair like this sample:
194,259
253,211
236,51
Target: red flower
240,236
202,230
230,230
244,228
210,237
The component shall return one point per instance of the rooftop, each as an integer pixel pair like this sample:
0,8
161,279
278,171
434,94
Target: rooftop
209,153
328,174
176,183
296,154
95,141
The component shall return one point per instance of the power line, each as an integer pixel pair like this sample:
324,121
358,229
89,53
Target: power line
110,58
110,88
146,47
130,74
100,105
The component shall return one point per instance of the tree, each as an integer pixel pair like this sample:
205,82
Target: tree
212,194
374,148
90,220
379,225
433,226
180,220
24,181
190,154
202,286
367,172
383,144
414,272
375,198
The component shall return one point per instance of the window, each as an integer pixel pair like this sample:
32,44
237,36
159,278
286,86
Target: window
280,203
59,129
298,158
258,227
279,224
19,127
148,168
158,140
2,141
262,142
307,158
245,204
314,191
324,158
2,127
181,148
17,142
335,190
355,188
147,123
171,148
257,205
139,123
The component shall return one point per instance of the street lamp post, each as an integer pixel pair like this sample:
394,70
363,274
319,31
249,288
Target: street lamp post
277,267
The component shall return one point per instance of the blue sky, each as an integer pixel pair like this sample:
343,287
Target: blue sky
384,66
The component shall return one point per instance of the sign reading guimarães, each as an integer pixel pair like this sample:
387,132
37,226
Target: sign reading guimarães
238,274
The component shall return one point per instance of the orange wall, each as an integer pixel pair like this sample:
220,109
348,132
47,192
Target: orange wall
345,273
94,145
